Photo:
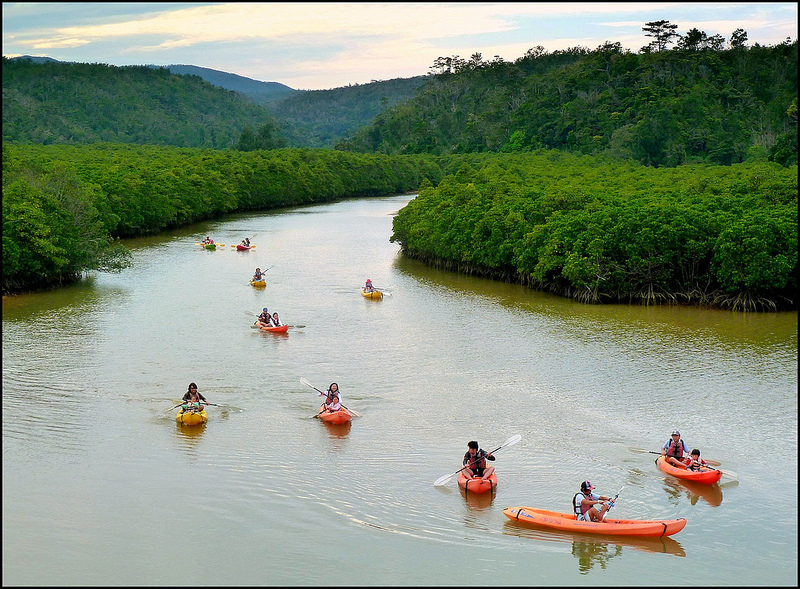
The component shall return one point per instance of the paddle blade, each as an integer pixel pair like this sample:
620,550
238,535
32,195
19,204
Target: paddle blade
441,481
511,441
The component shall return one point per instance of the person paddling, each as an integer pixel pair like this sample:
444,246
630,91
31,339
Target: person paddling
674,449
475,462
265,318
584,503
332,390
193,396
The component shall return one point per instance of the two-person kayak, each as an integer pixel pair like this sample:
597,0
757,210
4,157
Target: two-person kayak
272,328
705,475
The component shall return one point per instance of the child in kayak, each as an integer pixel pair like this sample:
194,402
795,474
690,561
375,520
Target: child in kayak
695,462
331,404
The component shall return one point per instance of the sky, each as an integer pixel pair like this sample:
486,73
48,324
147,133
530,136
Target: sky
317,46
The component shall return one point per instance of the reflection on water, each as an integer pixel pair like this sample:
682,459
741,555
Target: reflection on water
479,501
337,431
591,553
592,549
189,435
711,494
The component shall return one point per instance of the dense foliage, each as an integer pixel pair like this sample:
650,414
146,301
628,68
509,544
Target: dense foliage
321,118
55,227
697,103
604,231
63,205
80,103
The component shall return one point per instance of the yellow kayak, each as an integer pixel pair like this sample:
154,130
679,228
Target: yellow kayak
375,295
191,417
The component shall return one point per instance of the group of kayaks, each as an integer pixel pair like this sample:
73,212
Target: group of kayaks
613,527
211,245
567,522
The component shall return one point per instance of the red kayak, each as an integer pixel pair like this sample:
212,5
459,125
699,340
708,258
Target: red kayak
707,476
243,248
477,485
279,329
335,417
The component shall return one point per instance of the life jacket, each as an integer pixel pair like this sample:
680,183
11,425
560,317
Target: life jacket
577,505
476,463
675,449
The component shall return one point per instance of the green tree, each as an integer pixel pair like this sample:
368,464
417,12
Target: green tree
662,32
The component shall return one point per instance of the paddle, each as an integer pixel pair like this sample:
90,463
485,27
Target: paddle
643,451
509,442
612,502
305,382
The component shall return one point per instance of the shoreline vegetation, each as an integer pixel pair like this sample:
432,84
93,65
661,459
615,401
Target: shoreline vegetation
605,231
589,228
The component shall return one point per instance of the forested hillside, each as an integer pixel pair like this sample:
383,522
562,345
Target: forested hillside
322,118
47,101
79,103
695,103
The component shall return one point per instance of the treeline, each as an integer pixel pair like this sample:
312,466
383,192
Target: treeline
607,231
81,103
697,103
64,206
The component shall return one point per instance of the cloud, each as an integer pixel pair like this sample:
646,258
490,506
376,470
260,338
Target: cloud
316,45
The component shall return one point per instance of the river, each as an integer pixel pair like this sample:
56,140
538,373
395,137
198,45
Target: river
102,487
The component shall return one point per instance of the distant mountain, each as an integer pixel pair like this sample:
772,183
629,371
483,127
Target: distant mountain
259,92
38,59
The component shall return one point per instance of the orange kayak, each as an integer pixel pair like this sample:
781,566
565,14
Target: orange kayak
279,329
566,522
335,417
477,485
707,476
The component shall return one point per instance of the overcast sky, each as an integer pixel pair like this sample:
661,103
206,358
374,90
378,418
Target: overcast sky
314,46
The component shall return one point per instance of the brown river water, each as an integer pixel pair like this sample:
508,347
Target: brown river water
102,487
